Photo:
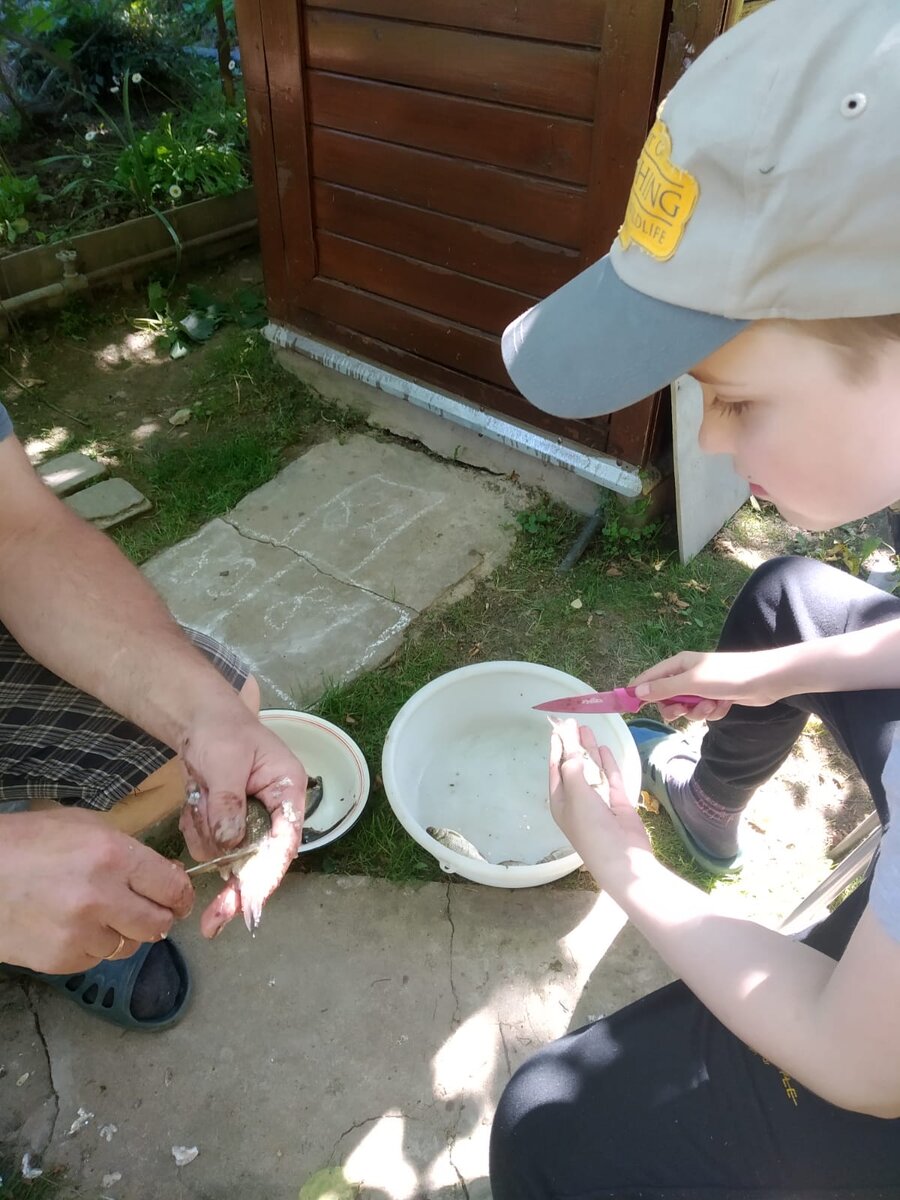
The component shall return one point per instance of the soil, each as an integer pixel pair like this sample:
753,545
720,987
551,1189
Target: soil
109,371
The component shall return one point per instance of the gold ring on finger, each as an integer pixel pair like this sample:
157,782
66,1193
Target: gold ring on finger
117,951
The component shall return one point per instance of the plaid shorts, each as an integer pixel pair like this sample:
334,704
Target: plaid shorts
59,743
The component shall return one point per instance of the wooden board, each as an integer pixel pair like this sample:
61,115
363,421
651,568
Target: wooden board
555,147
435,290
529,74
692,28
434,338
262,152
526,265
573,22
537,208
623,106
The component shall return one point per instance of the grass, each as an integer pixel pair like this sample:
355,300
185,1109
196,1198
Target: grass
635,609
249,416
51,1186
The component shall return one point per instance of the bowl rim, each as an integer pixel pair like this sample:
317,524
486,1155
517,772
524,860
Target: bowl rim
301,716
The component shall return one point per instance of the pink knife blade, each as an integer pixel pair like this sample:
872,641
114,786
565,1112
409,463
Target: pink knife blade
619,700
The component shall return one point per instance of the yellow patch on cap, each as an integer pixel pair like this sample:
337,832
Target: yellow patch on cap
662,198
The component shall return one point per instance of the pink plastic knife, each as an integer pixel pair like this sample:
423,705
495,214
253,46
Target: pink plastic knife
619,700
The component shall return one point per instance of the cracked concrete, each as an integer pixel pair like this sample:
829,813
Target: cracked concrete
395,1014
342,1014
264,541
318,574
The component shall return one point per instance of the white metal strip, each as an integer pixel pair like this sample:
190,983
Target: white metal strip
598,468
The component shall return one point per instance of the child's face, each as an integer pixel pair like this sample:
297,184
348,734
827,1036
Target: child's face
824,450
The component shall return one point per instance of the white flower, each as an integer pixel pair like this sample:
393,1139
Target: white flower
232,65
137,77
86,162
90,135
114,89
175,191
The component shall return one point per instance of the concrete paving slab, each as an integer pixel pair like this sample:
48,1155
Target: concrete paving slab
367,1027
68,472
298,627
385,518
109,503
316,576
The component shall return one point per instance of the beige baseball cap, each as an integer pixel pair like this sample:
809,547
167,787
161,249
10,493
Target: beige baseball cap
769,186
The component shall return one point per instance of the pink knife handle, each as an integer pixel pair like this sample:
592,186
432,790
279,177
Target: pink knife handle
634,703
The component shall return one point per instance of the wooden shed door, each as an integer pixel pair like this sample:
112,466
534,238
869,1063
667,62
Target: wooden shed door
427,169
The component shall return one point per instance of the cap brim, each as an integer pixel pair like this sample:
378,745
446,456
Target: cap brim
597,345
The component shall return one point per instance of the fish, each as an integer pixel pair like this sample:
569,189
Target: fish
315,790
451,840
594,775
250,863
553,856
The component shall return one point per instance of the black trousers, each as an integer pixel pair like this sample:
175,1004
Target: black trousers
660,1101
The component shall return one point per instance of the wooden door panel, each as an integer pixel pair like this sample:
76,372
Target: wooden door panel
537,208
426,169
573,22
435,290
556,147
525,265
529,74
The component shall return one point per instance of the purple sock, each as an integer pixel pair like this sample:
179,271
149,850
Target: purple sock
714,827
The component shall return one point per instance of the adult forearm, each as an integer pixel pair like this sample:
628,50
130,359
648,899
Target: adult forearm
78,606
767,989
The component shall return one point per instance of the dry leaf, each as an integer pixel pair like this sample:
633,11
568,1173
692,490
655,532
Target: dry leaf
754,503
649,802
576,603
181,417
614,571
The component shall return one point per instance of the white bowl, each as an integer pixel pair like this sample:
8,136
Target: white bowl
324,750
468,752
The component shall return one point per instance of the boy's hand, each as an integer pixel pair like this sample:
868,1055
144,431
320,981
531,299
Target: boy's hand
756,678
595,816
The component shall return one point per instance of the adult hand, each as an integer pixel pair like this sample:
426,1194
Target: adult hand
755,678
74,891
588,799
229,756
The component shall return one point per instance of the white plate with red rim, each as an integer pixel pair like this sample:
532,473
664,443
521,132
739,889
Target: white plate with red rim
325,750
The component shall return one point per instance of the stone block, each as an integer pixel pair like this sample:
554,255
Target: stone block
69,472
109,503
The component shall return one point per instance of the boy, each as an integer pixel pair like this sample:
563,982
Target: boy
761,252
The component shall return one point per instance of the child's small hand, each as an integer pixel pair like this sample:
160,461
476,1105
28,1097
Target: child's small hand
588,799
755,678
